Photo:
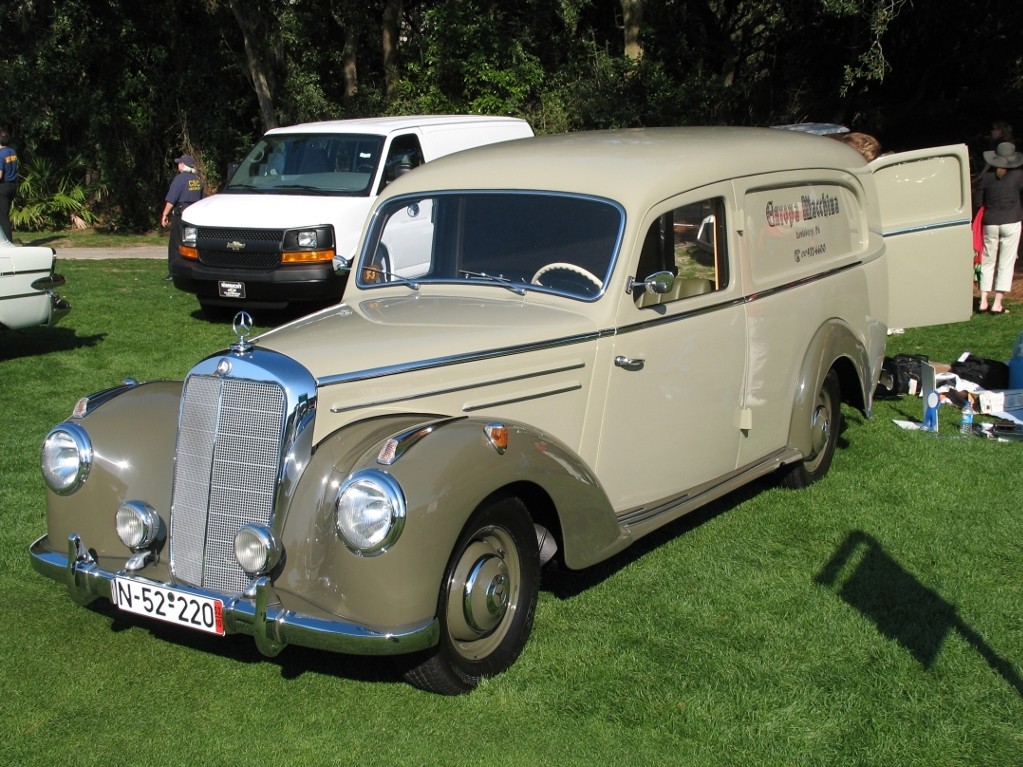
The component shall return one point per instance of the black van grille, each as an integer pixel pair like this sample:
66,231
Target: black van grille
255,249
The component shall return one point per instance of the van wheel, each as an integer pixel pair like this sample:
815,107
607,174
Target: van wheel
825,424
487,600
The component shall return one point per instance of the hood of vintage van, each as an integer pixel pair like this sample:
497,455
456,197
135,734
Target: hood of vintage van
382,336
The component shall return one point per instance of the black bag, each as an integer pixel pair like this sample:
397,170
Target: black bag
905,372
988,374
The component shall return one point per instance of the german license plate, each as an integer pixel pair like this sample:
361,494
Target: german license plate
169,605
231,289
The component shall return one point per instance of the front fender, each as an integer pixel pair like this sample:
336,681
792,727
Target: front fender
445,476
133,436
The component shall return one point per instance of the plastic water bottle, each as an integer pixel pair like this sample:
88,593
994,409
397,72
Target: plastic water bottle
1016,364
966,418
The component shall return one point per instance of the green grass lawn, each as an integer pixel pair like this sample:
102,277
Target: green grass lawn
89,238
873,619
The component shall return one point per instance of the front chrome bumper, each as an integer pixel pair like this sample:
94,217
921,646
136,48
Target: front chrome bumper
262,617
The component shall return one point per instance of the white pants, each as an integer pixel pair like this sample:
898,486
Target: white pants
1000,245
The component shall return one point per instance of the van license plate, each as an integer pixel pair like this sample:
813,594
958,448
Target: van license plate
169,605
231,289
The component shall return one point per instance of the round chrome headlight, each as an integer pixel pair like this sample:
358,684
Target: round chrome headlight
66,458
138,525
369,512
256,549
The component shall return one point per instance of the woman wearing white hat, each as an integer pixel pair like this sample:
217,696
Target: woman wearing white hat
998,190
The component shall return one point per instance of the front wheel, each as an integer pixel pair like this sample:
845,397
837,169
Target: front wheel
825,424
487,600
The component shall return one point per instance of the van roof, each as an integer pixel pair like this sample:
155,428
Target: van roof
384,125
638,165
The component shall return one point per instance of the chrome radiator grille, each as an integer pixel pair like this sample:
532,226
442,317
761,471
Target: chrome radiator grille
225,474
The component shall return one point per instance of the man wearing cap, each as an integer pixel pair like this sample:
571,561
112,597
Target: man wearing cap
185,189
998,190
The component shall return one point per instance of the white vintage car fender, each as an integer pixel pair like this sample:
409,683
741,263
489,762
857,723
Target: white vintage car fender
27,283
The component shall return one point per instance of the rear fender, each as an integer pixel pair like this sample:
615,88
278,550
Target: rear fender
834,346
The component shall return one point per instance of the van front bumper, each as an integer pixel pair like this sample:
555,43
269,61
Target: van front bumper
266,288
261,616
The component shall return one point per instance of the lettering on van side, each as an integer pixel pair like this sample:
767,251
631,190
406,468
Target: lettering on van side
813,250
809,207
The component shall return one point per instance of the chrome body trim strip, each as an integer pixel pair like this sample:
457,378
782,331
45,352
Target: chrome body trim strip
458,359
700,496
471,408
928,227
264,618
49,282
455,389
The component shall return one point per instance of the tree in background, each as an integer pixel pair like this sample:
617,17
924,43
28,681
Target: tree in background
128,88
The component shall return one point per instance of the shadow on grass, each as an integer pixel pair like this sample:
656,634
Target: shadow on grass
31,342
263,318
293,662
565,584
868,579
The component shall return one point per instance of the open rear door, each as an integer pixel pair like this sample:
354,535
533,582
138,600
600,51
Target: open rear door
925,218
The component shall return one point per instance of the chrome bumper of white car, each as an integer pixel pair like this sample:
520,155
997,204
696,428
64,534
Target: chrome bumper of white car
262,617
59,307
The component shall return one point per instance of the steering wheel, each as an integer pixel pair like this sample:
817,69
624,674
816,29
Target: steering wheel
567,268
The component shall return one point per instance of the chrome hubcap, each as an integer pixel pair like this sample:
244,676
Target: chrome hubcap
486,594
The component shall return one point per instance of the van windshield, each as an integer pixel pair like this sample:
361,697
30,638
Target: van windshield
309,163
519,241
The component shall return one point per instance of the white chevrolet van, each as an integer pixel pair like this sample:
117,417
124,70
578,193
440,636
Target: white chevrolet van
300,198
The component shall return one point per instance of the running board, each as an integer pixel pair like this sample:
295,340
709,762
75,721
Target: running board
639,522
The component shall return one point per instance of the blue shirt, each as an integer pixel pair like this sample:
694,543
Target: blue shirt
9,161
186,187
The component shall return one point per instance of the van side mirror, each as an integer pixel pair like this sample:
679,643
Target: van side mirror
658,282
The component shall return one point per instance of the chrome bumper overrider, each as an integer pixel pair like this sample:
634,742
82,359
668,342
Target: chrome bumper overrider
59,309
263,617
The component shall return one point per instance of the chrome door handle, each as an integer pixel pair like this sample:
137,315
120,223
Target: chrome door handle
628,363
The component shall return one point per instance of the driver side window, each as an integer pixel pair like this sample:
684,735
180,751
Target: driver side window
689,242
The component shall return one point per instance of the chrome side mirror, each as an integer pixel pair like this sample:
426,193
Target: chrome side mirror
658,282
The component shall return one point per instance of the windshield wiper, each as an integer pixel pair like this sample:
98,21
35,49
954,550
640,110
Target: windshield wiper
518,288
301,188
391,277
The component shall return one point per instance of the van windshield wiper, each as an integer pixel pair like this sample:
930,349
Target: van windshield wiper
519,288
301,188
391,277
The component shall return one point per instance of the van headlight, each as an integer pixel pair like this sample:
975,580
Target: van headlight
66,458
369,512
189,234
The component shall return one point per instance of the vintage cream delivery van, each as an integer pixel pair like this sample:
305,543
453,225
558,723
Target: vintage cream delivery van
600,332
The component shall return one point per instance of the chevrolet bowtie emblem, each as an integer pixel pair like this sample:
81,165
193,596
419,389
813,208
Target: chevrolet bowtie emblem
236,246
